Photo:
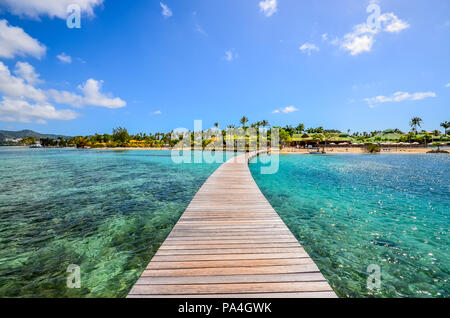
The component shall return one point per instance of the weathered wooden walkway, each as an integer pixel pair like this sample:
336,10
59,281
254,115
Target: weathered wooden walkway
230,243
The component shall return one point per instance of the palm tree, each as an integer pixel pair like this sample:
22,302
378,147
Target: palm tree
317,139
243,121
326,138
415,122
256,125
265,123
445,125
216,125
322,138
300,128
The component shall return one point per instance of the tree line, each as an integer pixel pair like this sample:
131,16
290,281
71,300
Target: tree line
288,136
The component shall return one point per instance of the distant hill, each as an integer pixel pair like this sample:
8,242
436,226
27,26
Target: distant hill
5,134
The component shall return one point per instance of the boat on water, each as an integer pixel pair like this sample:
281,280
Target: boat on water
36,145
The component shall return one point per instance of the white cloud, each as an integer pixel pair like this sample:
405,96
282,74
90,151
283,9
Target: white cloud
158,112
19,110
358,44
17,87
268,7
51,8
65,97
359,40
63,57
286,110
325,37
399,97
15,41
27,72
448,85
362,37
308,48
230,55
392,23
92,95
22,102
166,12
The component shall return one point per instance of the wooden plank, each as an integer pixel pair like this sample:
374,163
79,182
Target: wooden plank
224,238
231,288
304,268
224,279
214,240
227,246
219,251
236,257
316,294
231,243
221,264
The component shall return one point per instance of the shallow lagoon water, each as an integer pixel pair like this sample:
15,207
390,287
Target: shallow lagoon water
106,211
109,211
350,211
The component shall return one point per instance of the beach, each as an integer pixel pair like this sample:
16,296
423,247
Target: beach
353,150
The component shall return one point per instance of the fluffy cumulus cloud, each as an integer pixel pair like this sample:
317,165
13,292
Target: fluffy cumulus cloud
65,97
362,37
51,8
166,12
399,97
359,40
268,7
285,110
19,110
23,102
93,96
15,41
448,85
26,71
64,58
13,86
392,23
308,48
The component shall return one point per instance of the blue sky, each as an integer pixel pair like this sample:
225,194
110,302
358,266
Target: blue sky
148,68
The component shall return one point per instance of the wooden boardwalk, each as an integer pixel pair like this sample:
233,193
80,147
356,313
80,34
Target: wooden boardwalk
230,243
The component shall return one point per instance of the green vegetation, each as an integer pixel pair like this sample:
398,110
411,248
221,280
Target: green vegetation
243,121
445,125
28,141
414,123
290,136
371,148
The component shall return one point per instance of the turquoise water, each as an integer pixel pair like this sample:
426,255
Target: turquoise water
350,211
106,211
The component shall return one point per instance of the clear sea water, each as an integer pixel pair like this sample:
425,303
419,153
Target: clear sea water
109,211
106,211
350,211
